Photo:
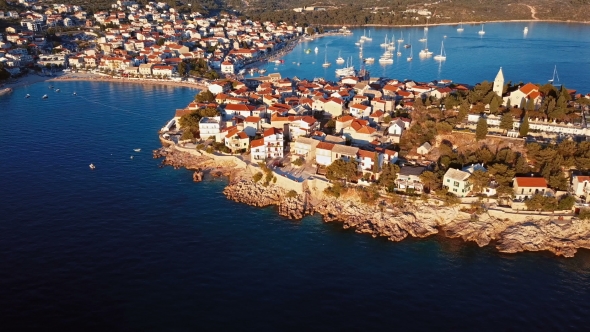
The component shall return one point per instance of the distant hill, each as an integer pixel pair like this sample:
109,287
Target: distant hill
359,12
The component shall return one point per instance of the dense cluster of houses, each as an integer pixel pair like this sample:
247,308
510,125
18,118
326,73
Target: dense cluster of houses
150,40
318,122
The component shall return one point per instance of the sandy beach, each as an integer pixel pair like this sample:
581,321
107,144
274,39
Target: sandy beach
26,80
101,78
36,78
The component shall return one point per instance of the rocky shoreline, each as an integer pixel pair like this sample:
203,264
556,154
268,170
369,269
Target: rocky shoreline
416,219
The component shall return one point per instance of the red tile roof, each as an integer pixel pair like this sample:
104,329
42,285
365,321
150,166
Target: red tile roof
531,182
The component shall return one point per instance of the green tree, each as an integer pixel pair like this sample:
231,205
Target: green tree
566,202
524,126
341,169
205,96
530,105
182,68
479,181
463,111
494,105
428,179
558,181
388,176
506,123
481,130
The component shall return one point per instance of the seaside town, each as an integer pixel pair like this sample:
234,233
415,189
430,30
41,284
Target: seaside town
520,150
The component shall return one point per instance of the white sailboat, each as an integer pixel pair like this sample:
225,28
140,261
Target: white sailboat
346,71
399,50
316,50
526,30
426,27
340,60
326,64
369,37
460,28
443,55
554,75
391,46
401,39
425,52
481,32
410,58
423,39
384,44
370,60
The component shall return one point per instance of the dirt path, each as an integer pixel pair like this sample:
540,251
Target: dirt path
533,12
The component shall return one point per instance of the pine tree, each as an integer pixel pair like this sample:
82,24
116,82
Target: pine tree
482,129
506,122
524,126
530,105
494,106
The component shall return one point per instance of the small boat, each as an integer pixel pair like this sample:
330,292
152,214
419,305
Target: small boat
261,71
339,60
92,166
326,64
307,51
526,29
316,50
369,37
442,56
357,44
370,60
407,46
385,60
384,44
45,97
56,90
554,75
75,94
481,32
460,28
27,96
51,86
401,39
131,157
137,150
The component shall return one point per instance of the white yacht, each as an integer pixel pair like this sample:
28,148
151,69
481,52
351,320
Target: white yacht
481,32
92,166
460,28
45,97
443,55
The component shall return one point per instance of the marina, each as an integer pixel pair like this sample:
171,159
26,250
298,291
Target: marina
553,43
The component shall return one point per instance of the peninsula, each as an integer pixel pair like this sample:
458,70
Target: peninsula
493,162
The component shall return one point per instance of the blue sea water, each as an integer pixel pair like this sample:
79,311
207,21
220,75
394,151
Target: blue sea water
134,247
471,58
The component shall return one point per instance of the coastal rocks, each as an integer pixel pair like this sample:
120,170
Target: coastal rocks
254,194
561,237
510,232
177,159
198,176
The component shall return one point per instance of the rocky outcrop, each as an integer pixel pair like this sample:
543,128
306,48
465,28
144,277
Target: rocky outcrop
511,233
198,176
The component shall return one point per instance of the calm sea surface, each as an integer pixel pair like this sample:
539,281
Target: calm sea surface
471,58
133,247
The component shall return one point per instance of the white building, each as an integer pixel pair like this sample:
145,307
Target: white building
210,126
457,182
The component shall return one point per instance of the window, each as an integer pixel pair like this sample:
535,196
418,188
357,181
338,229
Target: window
455,183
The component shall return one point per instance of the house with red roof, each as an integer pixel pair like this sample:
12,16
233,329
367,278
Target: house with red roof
360,111
525,187
581,186
252,125
360,132
334,106
523,94
236,140
323,153
257,150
